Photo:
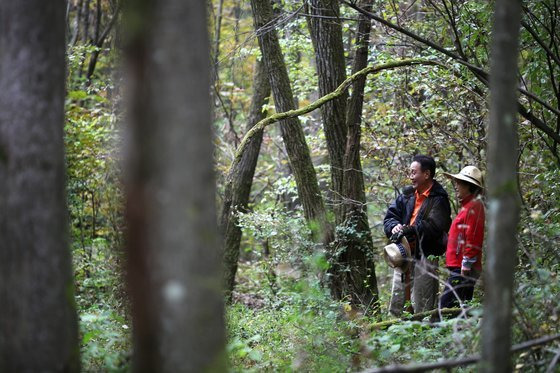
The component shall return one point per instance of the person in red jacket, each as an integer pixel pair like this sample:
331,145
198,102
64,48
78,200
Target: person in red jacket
463,256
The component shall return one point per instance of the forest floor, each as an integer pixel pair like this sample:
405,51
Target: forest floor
293,324
284,320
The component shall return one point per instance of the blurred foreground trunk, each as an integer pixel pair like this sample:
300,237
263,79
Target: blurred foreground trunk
502,189
173,247
38,323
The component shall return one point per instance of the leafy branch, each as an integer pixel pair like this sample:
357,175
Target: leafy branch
321,101
478,72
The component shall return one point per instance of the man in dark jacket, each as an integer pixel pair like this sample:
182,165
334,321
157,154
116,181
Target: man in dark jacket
423,215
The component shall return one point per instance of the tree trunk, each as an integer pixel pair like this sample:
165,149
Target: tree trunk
85,15
240,180
326,35
292,133
76,31
38,321
359,283
502,189
217,36
173,248
98,42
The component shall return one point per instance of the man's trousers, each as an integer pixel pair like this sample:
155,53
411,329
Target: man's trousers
424,287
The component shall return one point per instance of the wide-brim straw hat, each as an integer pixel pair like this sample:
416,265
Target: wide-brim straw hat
398,255
470,174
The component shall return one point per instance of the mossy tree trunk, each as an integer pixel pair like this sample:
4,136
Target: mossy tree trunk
354,241
292,133
240,179
352,268
326,35
38,321
173,243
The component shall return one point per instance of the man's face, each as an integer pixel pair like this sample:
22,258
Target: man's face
418,178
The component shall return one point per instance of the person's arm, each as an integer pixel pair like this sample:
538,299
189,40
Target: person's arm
474,236
393,218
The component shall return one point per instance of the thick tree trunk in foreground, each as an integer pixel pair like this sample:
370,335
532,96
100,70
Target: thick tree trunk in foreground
326,35
292,133
359,282
38,323
502,189
173,247
240,180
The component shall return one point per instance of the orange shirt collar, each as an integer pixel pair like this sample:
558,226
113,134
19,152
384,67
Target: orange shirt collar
426,193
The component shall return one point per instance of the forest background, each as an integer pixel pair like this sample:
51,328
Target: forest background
307,287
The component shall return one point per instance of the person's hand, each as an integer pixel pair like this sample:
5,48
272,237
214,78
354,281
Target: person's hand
465,272
397,228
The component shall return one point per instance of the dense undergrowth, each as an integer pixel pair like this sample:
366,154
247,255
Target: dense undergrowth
282,319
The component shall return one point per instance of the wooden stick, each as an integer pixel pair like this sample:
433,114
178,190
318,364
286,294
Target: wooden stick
418,316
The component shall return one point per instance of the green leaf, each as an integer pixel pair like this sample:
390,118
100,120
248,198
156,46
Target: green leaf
77,95
255,355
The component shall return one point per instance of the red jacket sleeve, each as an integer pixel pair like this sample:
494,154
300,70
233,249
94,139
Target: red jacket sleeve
474,235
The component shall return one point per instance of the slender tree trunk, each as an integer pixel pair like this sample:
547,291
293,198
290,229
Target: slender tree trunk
502,189
292,133
240,180
173,248
355,244
326,35
76,31
85,33
38,322
85,17
217,36
97,27
99,42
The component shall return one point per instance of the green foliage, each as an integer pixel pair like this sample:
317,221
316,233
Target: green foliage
105,341
299,329
414,341
94,195
101,301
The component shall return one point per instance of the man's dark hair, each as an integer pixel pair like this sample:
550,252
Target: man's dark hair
426,163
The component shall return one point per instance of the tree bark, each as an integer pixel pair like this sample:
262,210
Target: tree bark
326,36
76,31
240,180
173,247
217,36
292,133
502,189
86,16
353,271
38,321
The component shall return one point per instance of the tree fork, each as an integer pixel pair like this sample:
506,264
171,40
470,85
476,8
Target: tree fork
321,101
